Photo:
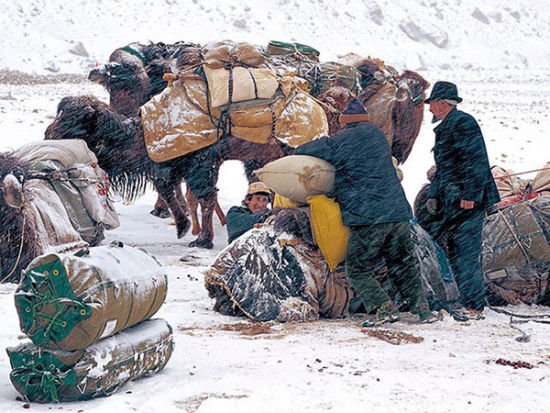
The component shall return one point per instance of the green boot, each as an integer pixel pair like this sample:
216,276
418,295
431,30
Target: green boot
387,313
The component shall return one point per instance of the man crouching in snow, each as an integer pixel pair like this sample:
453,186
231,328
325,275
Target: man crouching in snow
374,207
252,211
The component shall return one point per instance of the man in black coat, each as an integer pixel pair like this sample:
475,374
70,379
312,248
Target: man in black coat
463,188
374,207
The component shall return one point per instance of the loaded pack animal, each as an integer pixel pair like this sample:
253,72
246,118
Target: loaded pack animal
117,140
132,76
34,219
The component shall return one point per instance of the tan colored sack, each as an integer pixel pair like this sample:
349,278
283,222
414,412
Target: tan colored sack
175,122
298,176
68,302
541,182
224,53
245,84
42,375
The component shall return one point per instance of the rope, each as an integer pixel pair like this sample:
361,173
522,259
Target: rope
18,254
528,172
515,237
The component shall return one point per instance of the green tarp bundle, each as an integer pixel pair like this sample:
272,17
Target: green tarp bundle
62,376
69,301
277,48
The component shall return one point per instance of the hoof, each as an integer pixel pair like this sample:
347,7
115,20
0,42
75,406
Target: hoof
160,212
183,228
196,230
205,243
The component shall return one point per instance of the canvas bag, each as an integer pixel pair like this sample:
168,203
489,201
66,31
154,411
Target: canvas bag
72,170
69,301
100,369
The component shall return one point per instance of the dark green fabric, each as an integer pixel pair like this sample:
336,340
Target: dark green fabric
40,374
463,170
464,255
367,188
391,241
239,220
48,285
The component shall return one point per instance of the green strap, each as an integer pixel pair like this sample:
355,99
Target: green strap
136,54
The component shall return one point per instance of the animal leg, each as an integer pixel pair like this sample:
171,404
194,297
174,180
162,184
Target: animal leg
193,203
168,192
160,209
204,239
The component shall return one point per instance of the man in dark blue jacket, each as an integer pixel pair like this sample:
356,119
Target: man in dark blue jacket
463,188
252,211
374,207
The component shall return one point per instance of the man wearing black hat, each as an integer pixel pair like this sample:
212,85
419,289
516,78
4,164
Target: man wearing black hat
374,207
462,188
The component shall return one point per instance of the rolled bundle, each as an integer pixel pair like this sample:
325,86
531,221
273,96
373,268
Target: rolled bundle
69,301
298,177
98,370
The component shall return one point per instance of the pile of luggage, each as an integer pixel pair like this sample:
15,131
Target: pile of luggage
292,268
87,315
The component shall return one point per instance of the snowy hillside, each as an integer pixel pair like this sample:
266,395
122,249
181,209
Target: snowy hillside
71,36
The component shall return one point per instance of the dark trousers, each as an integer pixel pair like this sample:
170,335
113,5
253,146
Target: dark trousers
391,241
464,250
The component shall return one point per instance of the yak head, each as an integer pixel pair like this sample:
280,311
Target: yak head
106,132
126,81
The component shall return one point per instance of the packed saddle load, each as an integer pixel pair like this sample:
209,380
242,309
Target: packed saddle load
231,91
71,169
516,238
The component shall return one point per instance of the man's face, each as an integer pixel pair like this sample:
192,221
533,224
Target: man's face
439,109
258,203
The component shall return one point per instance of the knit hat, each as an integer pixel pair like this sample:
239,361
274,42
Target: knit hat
444,91
354,112
257,188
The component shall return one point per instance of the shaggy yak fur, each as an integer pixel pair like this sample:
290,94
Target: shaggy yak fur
132,76
28,231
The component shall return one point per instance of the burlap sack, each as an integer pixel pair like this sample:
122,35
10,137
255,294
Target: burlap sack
244,83
228,53
298,176
68,302
276,48
41,375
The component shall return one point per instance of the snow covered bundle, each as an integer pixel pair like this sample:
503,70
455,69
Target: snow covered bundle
98,370
69,301
81,185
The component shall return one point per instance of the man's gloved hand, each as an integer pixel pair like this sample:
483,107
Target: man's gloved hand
431,206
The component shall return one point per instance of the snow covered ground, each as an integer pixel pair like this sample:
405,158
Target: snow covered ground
497,55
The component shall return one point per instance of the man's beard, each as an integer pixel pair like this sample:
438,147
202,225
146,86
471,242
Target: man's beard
435,119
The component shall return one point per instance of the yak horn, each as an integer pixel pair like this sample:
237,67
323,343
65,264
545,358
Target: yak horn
13,191
89,109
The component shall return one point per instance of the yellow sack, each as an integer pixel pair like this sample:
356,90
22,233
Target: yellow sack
330,233
282,202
